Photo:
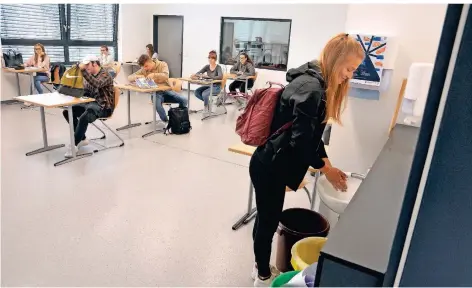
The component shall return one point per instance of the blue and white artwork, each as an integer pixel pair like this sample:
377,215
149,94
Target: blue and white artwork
370,70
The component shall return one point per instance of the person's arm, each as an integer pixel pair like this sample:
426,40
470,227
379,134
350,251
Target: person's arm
234,69
29,62
251,70
160,77
305,102
218,74
45,64
108,62
104,79
203,70
137,74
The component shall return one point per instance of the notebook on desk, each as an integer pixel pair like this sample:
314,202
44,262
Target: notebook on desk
145,83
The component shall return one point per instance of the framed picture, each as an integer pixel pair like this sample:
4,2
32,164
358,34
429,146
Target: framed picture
370,70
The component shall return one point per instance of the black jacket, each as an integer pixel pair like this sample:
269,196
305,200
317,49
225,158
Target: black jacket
304,102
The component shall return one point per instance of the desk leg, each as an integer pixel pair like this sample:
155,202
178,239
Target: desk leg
18,83
154,120
188,100
72,142
129,116
251,212
313,193
45,137
32,83
212,114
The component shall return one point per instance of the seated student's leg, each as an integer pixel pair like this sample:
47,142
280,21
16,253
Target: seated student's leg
242,87
93,111
250,83
234,85
160,110
206,96
37,82
199,91
77,111
174,97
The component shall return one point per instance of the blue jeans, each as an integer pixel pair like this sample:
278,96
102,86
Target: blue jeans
37,82
203,93
168,97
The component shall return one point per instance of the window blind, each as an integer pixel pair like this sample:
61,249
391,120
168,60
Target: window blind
30,21
68,31
92,22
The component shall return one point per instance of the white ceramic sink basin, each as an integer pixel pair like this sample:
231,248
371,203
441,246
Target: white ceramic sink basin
338,200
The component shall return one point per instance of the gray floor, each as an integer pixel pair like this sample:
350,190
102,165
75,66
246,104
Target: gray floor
154,212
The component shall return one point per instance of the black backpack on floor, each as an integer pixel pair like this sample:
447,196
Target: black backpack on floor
179,122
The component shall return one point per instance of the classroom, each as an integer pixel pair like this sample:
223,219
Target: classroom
128,159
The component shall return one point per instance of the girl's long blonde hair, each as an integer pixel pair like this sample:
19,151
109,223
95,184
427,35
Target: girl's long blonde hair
36,60
335,52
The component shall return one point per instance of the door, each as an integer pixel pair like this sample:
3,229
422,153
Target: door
168,40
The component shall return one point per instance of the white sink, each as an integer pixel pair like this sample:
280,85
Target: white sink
338,200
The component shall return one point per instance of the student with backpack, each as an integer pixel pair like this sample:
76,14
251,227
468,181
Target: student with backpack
159,72
315,93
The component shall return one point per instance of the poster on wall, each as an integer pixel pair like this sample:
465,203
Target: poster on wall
370,70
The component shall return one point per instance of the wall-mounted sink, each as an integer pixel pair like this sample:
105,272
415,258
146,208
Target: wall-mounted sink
338,200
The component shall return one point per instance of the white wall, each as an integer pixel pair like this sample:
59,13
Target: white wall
417,29
312,26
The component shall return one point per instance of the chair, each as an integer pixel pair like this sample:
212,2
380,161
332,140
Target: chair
239,95
117,93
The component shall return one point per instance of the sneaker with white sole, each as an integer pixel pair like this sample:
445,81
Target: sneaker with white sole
264,283
69,151
273,271
83,143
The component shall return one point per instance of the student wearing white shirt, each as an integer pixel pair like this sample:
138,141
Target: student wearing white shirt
106,60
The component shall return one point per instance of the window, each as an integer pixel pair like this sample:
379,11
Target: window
68,31
266,41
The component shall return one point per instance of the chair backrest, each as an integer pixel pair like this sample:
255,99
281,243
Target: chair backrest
57,79
117,96
116,67
176,84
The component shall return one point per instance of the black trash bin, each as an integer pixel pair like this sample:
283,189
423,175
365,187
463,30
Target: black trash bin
296,224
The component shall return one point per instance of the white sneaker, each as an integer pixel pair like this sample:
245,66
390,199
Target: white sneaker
69,151
255,272
83,143
264,283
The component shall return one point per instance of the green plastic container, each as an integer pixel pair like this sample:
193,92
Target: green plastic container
283,278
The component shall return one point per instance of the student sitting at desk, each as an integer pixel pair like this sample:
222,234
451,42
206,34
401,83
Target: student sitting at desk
245,67
159,72
213,71
150,51
316,93
39,60
98,84
106,60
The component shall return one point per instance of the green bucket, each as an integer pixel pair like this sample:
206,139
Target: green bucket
283,278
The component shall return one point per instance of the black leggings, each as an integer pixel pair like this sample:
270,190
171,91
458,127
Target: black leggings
270,195
241,85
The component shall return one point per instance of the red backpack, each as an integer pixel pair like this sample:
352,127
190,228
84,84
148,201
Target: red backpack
253,125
